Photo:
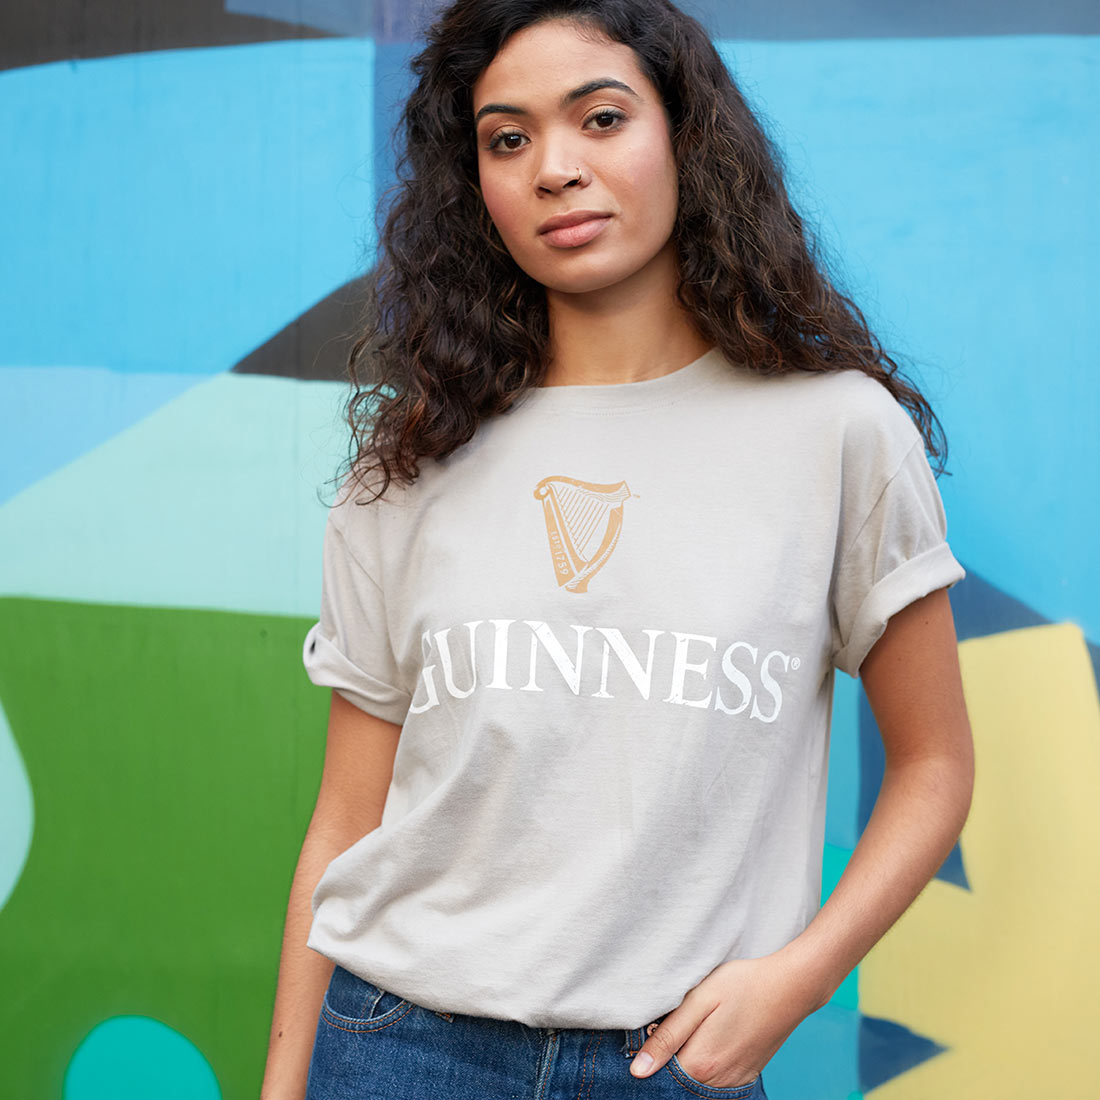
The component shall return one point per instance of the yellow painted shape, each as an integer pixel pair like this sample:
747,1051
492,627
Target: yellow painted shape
1007,975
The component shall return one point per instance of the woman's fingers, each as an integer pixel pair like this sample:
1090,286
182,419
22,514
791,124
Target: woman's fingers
731,1024
671,1034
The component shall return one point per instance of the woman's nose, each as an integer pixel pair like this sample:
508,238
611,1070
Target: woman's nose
559,171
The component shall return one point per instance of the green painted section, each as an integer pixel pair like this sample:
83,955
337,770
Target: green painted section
16,812
175,757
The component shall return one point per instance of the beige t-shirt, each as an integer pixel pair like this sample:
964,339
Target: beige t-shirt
608,625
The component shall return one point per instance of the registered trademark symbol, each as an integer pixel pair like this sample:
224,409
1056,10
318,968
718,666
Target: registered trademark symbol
795,662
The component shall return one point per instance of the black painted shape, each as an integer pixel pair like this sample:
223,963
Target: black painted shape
887,1050
34,33
382,20
315,345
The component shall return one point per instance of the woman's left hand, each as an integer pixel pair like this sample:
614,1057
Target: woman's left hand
730,1025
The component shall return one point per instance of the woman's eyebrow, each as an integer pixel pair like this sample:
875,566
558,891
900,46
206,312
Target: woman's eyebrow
567,99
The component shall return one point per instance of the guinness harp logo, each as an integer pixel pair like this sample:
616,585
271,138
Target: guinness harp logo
583,522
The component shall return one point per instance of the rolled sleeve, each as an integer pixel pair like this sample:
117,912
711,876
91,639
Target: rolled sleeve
899,555
348,648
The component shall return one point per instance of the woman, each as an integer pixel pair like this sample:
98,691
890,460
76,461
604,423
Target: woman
631,479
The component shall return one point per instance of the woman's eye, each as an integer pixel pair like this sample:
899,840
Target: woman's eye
508,141
605,119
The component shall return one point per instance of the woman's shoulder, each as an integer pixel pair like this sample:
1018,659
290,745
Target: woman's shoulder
871,433
364,498
870,412
846,405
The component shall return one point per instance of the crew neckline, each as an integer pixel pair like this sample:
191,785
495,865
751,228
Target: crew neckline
647,393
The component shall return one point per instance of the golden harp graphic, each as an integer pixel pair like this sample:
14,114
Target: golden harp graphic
583,522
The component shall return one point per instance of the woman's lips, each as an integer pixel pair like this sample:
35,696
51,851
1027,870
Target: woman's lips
572,236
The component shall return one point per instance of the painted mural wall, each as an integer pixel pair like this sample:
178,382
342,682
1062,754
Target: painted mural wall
186,207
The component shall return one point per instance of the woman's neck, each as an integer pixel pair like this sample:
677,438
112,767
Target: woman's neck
627,333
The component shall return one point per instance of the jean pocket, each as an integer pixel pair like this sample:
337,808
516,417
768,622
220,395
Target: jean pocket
354,1004
731,1092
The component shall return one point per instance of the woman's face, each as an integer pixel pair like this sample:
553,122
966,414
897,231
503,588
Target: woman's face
575,159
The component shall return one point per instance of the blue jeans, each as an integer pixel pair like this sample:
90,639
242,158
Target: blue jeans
372,1045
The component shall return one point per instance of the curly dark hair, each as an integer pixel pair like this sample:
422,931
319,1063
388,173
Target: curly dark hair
455,331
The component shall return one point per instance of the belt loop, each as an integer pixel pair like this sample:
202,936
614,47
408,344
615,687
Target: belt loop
635,1036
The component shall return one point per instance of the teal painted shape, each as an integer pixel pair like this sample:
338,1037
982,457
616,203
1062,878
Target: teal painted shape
16,812
819,1060
833,863
52,415
176,208
842,808
211,501
956,179
137,1058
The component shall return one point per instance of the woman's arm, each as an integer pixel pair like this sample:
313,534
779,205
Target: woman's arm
730,1025
359,756
913,683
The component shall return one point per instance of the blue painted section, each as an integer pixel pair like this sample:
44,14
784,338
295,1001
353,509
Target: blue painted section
953,870
981,609
52,415
955,179
887,1050
175,209
820,1059
393,82
184,507
810,19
